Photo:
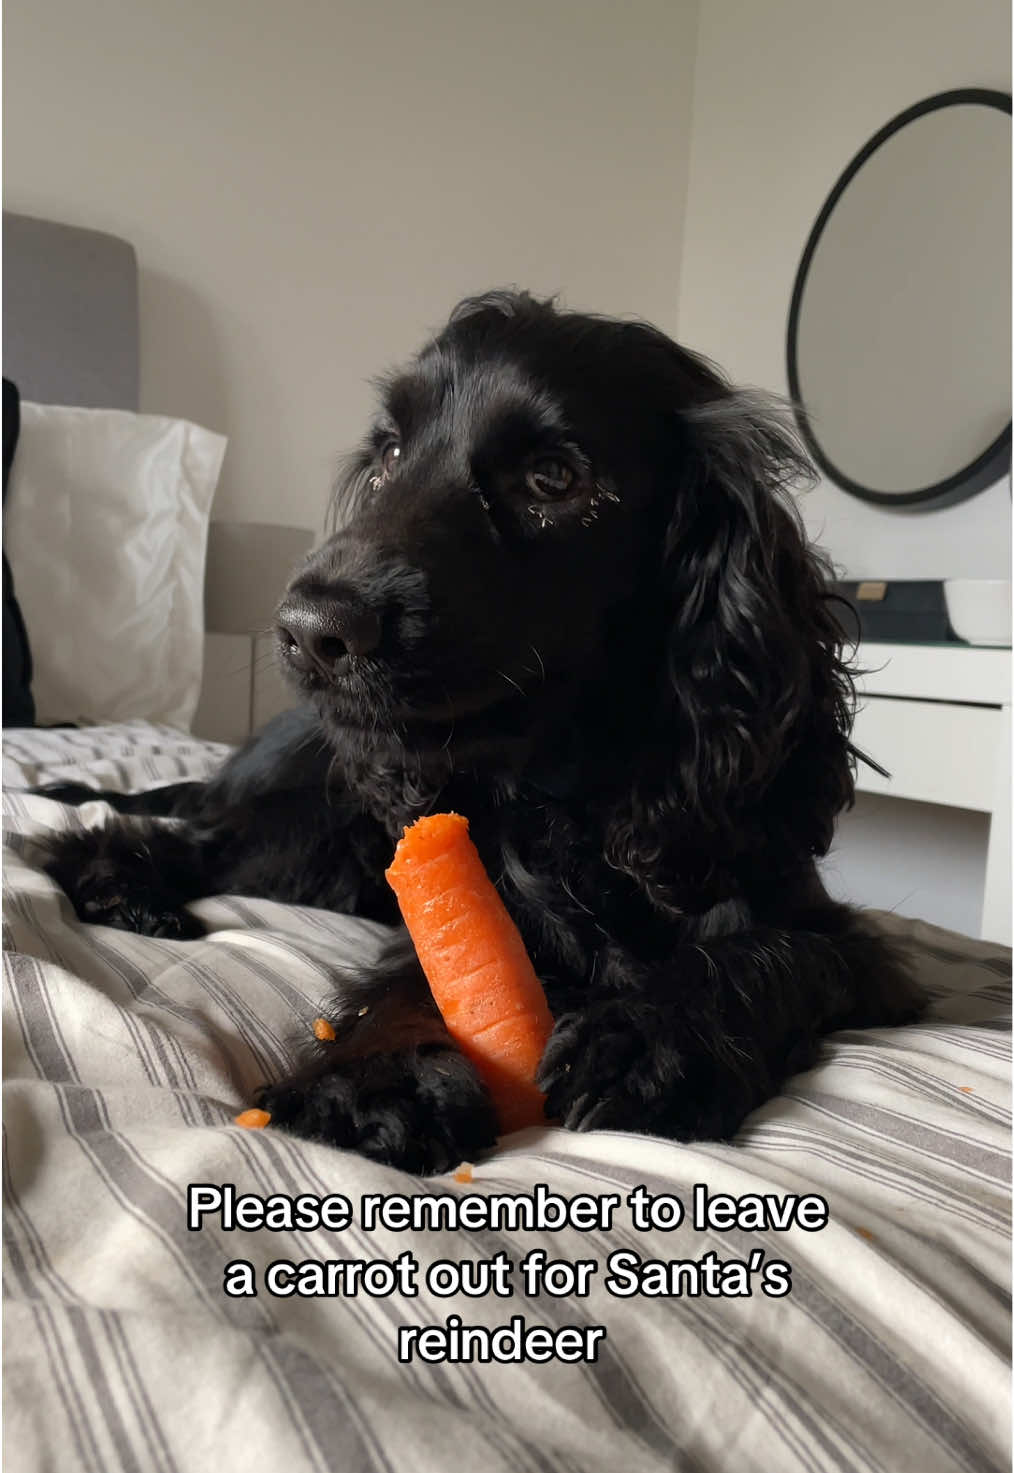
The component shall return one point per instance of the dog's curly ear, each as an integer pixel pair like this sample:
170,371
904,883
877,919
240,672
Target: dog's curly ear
754,663
755,701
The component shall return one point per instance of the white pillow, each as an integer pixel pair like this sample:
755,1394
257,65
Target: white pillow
105,529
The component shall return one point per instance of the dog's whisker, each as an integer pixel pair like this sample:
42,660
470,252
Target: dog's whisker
510,681
580,905
332,767
239,670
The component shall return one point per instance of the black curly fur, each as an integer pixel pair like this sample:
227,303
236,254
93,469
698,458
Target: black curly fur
633,685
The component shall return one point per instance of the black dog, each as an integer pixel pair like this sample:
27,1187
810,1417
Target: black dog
570,598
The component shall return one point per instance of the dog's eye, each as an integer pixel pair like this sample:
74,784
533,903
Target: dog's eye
549,478
389,457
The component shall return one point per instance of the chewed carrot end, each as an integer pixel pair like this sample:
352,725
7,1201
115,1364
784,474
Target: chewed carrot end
479,972
253,1119
323,1030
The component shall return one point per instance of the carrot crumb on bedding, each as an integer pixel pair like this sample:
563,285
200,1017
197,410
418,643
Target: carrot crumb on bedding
464,1172
253,1119
323,1030
865,1233
966,1089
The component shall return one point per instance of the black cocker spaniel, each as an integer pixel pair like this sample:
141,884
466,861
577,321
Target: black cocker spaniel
567,595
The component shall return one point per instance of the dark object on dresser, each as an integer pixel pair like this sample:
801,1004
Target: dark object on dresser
898,611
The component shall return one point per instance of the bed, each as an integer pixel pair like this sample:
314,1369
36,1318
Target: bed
126,1059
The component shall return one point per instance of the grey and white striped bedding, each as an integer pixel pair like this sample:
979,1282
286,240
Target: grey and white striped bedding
126,1059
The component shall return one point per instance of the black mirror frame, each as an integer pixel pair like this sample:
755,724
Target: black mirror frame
995,460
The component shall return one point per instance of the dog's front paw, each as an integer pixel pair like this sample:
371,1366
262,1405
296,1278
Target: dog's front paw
611,1065
423,1110
111,880
632,1065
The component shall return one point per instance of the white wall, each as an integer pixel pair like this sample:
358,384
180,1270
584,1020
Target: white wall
785,93
311,185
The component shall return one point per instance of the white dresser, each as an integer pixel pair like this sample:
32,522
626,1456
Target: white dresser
938,718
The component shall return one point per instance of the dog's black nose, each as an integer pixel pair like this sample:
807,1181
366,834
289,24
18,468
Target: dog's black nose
320,632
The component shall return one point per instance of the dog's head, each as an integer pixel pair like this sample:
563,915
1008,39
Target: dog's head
559,521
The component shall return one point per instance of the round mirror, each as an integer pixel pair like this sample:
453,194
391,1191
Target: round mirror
899,349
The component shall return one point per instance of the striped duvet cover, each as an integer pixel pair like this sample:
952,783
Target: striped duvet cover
872,1333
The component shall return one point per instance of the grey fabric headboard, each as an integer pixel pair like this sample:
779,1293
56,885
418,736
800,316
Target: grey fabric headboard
70,314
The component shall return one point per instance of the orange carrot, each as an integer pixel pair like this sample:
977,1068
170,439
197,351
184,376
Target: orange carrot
464,1173
323,1030
475,962
253,1119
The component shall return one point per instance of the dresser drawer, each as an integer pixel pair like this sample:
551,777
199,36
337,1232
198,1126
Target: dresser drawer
935,752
